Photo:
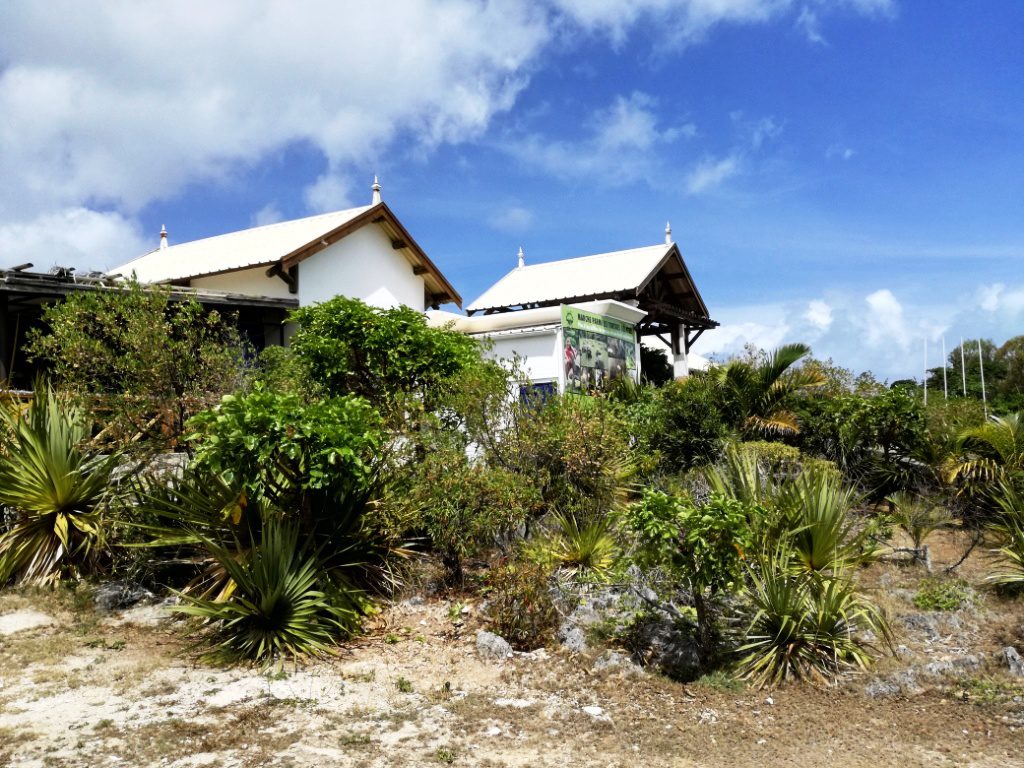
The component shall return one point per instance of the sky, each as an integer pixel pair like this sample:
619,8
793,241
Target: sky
845,173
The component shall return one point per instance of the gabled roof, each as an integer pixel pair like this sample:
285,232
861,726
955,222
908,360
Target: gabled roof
283,245
604,275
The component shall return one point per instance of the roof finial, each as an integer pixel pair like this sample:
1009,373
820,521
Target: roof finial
376,191
668,233
163,236
522,260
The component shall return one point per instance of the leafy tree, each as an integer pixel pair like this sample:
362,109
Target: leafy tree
655,367
150,362
680,424
758,397
383,355
699,547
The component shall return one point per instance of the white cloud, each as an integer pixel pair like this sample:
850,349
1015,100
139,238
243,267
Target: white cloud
126,104
512,219
268,214
819,314
709,173
839,150
877,331
620,146
808,23
89,240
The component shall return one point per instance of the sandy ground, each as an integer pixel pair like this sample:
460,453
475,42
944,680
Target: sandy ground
119,690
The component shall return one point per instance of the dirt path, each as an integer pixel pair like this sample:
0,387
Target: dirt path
117,691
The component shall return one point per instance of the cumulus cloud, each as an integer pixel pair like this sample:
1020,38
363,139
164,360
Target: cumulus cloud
878,331
512,219
268,214
709,173
619,147
89,240
127,104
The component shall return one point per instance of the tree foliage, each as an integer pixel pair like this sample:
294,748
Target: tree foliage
143,361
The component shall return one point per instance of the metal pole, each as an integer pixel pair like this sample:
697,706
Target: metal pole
945,384
981,367
963,365
926,371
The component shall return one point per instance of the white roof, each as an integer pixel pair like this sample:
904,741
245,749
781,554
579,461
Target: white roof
235,250
602,273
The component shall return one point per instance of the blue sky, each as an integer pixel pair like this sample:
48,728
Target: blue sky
848,173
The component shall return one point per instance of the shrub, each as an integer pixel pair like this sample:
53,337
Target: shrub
919,518
466,507
1010,528
520,604
680,423
699,547
941,595
805,626
349,347
816,522
55,487
588,548
146,362
278,608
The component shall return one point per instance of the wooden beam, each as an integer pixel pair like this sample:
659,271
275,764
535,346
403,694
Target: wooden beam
399,244
419,269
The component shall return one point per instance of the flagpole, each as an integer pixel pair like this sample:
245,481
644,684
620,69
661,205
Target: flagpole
981,367
925,378
963,366
945,385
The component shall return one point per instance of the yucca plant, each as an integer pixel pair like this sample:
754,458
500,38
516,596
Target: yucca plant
587,547
805,626
280,606
815,513
739,477
1010,527
919,518
54,486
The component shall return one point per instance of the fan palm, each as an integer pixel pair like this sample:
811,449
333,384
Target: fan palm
1010,527
815,513
760,395
278,608
55,487
989,452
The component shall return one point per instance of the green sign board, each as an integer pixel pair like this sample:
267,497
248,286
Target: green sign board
596,349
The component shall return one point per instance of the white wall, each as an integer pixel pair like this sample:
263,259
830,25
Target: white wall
540,354
362,265
253,282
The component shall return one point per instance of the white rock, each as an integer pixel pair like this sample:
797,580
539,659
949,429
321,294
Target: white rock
23,620
594,711
493,731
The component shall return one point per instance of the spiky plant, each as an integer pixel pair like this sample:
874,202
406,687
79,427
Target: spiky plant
587,547
988,453
280,606
815,511
55,487
918,517
1010,528
805,626
739,477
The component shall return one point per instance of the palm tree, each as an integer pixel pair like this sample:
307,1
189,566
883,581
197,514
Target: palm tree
989,454
759,395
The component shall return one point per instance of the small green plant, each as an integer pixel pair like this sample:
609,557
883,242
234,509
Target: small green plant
919,518
806,625
277,608
586,548
445,755
722,681
392,639
520,604
404,685
941,595
55,487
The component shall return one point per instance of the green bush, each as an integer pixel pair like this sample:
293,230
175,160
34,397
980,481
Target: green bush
383,355
466,507
280,605
681,423
55,487
941,595
145,362
520,605
805,625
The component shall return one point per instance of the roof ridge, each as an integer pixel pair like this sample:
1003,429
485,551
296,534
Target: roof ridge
594,255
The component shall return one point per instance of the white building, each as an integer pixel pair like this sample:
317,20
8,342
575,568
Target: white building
362,253
649,288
